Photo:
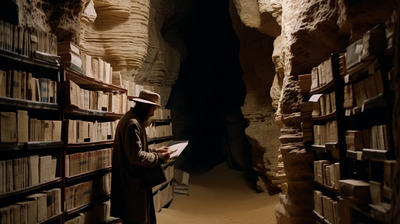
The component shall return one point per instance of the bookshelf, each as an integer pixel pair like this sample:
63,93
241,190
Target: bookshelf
321,115
30,121
368,127
90,112
159,134
363,147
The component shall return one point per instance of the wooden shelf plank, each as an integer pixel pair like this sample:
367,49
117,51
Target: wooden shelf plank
89,144
91,83
88,174
322,88
4,196
7,102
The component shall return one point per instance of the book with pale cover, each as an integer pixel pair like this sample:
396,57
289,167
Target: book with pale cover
177,147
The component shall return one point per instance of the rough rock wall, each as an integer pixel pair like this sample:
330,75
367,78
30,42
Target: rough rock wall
258,74
310,31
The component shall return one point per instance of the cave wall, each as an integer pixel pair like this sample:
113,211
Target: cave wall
310,31
279,40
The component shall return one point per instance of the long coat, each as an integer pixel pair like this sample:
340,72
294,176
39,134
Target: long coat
131,200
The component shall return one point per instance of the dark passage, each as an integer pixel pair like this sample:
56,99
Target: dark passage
209,92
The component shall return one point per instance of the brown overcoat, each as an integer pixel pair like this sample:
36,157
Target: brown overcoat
131,200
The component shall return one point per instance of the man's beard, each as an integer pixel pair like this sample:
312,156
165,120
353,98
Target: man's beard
148,122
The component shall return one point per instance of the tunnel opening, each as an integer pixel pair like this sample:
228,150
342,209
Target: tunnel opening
209,92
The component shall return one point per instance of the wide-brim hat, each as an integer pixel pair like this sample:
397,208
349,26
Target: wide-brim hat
148,97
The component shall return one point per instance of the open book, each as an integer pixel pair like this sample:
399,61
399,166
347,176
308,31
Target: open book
177,147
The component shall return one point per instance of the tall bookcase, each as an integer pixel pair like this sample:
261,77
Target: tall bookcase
353,173
90,111
30,119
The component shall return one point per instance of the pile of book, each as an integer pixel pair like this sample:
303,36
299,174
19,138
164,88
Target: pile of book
357,191
18,127
83,162
20,173
22,85
70,56
87,131
326,207
35,208
181,184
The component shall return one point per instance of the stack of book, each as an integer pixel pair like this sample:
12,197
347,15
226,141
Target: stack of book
357,191
181,184
70,56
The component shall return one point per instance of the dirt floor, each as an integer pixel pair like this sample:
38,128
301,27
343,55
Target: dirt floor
221,196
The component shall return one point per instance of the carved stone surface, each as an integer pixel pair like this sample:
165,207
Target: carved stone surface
258,74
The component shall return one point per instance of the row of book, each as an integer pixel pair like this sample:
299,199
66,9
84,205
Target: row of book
356,94
327,132
322,74
22,85
96,100
87,131
18,127
83,162
326,207
374,42
327,173
156,131
99,214
20,173
35,208
372,193
323,104
26,40
375,137
162,114
85,192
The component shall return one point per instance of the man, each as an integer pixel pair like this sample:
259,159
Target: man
131,198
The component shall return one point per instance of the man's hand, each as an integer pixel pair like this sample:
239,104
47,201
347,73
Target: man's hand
163,153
